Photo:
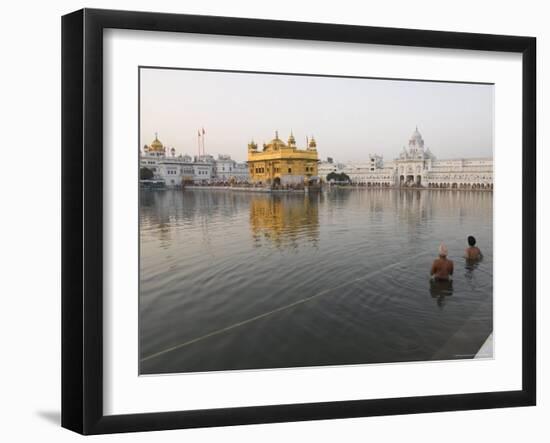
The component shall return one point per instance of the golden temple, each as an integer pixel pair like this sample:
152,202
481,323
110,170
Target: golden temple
281,163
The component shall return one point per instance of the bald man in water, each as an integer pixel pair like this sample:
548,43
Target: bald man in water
442,267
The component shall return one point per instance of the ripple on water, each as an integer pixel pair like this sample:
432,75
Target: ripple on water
210,260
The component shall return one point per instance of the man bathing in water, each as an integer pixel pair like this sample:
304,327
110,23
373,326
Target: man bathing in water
442,267
472,252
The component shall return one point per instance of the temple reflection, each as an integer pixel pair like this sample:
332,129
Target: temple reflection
285,220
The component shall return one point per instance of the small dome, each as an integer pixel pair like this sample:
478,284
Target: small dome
312,143
277,140
276,143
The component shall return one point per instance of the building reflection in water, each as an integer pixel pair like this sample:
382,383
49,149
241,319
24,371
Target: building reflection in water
214,258
155,216
415,207
285,220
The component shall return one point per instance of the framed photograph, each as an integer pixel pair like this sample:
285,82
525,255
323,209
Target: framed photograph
269,221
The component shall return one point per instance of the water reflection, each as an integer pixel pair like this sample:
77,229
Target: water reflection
285,220
212,259
440,290
470,266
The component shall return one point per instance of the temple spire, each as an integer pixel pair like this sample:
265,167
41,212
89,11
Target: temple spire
291,139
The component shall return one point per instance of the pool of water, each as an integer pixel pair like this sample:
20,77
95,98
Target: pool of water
238,280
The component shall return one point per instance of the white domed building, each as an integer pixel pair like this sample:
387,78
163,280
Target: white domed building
174,171
414,162
417,167
166,167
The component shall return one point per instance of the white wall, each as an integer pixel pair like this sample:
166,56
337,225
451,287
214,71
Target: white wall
30,219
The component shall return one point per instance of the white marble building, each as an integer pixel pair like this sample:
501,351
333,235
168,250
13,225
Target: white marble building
204,169
227,169
165,165
176,171
417,167
240,172
324,168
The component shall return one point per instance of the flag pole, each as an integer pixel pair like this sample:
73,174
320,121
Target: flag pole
199,144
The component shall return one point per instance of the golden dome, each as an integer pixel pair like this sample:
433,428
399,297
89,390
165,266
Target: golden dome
156,145
277,140
276,143
312,143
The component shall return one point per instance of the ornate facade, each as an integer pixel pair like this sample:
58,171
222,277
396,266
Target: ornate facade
227,169
417,167
176,171
281,163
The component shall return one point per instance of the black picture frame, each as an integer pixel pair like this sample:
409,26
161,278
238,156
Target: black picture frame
82,218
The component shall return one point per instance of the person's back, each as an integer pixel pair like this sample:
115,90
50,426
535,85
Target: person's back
442,267
472,252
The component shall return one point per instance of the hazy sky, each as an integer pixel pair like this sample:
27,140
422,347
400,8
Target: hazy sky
349,118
